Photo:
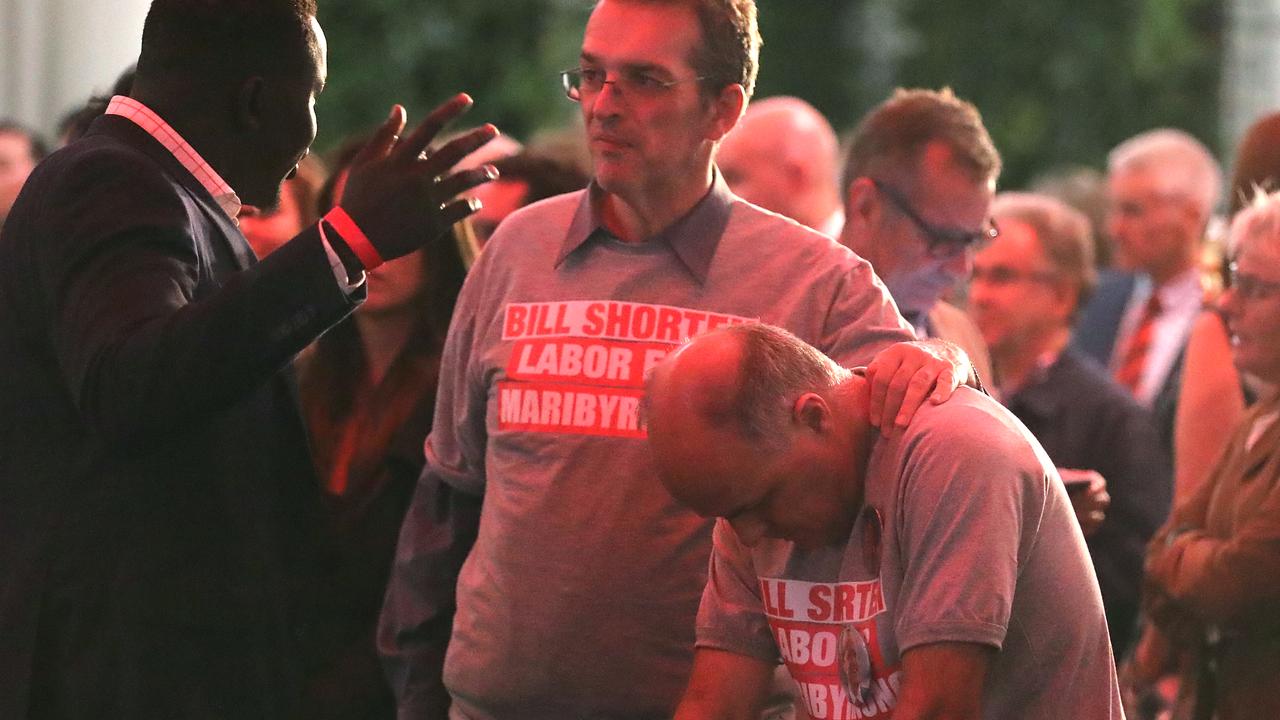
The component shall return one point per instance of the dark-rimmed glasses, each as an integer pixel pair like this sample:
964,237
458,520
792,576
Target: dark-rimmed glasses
1001,275
943,243
633,82
1251,287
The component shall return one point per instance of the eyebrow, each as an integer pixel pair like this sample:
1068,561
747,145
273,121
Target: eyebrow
635,67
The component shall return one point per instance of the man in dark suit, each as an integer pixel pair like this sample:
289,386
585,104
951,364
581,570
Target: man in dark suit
160,554
1162,187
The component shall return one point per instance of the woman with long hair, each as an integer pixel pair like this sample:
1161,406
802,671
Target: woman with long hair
368,391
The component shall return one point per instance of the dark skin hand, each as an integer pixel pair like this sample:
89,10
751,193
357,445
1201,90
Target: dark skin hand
400,195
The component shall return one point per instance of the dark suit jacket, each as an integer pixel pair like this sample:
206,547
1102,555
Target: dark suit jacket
1099,322
1095,336
160,511
1087,422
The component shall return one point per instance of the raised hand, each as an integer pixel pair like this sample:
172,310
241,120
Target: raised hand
400,195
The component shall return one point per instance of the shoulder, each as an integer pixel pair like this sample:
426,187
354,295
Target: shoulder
1083,379
762,229
970,430
104,171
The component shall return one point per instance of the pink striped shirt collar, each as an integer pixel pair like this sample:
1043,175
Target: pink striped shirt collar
146,118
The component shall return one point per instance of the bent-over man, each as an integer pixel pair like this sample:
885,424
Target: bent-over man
934,573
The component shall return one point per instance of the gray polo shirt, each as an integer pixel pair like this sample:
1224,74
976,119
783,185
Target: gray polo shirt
579,597
966,535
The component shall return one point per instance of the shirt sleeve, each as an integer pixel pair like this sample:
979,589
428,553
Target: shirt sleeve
969,506
731,616
442,520
345,283
1231,581
861,319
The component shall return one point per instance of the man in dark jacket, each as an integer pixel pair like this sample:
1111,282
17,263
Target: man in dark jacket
160,555
1024,294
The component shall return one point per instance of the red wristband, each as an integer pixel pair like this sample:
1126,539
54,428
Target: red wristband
354,237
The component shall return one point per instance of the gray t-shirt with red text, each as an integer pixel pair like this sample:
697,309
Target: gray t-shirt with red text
966,535
579,598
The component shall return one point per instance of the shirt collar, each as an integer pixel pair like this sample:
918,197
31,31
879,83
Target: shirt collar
1182,291
1038,394
155,126
694,237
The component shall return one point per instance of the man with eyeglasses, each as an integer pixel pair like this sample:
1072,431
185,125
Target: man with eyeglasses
579,597
1162,187
1024,292
918,182
933,574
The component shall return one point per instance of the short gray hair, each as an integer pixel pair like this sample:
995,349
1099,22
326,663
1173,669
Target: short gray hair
1183,165
1258,221
1063,232
775,368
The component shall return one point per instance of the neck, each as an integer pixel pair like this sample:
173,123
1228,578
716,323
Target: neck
850,401
637,216
200,130
382,337
1163,275
824,205
1015,362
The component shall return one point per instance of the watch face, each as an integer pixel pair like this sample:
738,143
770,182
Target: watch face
872,539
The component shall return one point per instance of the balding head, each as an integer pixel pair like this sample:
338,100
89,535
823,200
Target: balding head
751,424
783,156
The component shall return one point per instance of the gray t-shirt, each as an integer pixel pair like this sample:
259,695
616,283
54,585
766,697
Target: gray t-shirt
580,595
966,535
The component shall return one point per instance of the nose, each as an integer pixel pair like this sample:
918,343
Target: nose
1230,302
606,102
1115,226
960,265
750,529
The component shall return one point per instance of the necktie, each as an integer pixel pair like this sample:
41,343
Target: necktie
1129,371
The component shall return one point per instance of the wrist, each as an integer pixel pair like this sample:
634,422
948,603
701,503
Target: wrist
353,239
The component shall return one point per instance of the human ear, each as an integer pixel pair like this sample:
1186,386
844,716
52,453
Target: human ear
251,103
862,202
728,106
811,411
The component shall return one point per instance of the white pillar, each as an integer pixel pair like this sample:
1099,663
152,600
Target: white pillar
54,54
1251,67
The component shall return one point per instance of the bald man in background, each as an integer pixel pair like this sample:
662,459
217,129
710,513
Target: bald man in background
783,156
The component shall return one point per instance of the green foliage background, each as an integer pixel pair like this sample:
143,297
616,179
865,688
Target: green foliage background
1058,81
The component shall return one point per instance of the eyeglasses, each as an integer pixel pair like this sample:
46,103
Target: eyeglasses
631,81
1252,287
1008,276
944,243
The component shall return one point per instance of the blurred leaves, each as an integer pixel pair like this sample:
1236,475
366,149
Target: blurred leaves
506,55
1057,81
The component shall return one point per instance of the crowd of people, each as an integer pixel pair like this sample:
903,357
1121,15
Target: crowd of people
698,411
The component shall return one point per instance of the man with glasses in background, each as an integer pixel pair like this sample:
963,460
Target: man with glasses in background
579,596
918,183
1026,288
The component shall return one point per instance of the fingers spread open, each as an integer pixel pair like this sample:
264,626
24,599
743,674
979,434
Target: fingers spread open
384,138
426,131
457,210
439,161
454,184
